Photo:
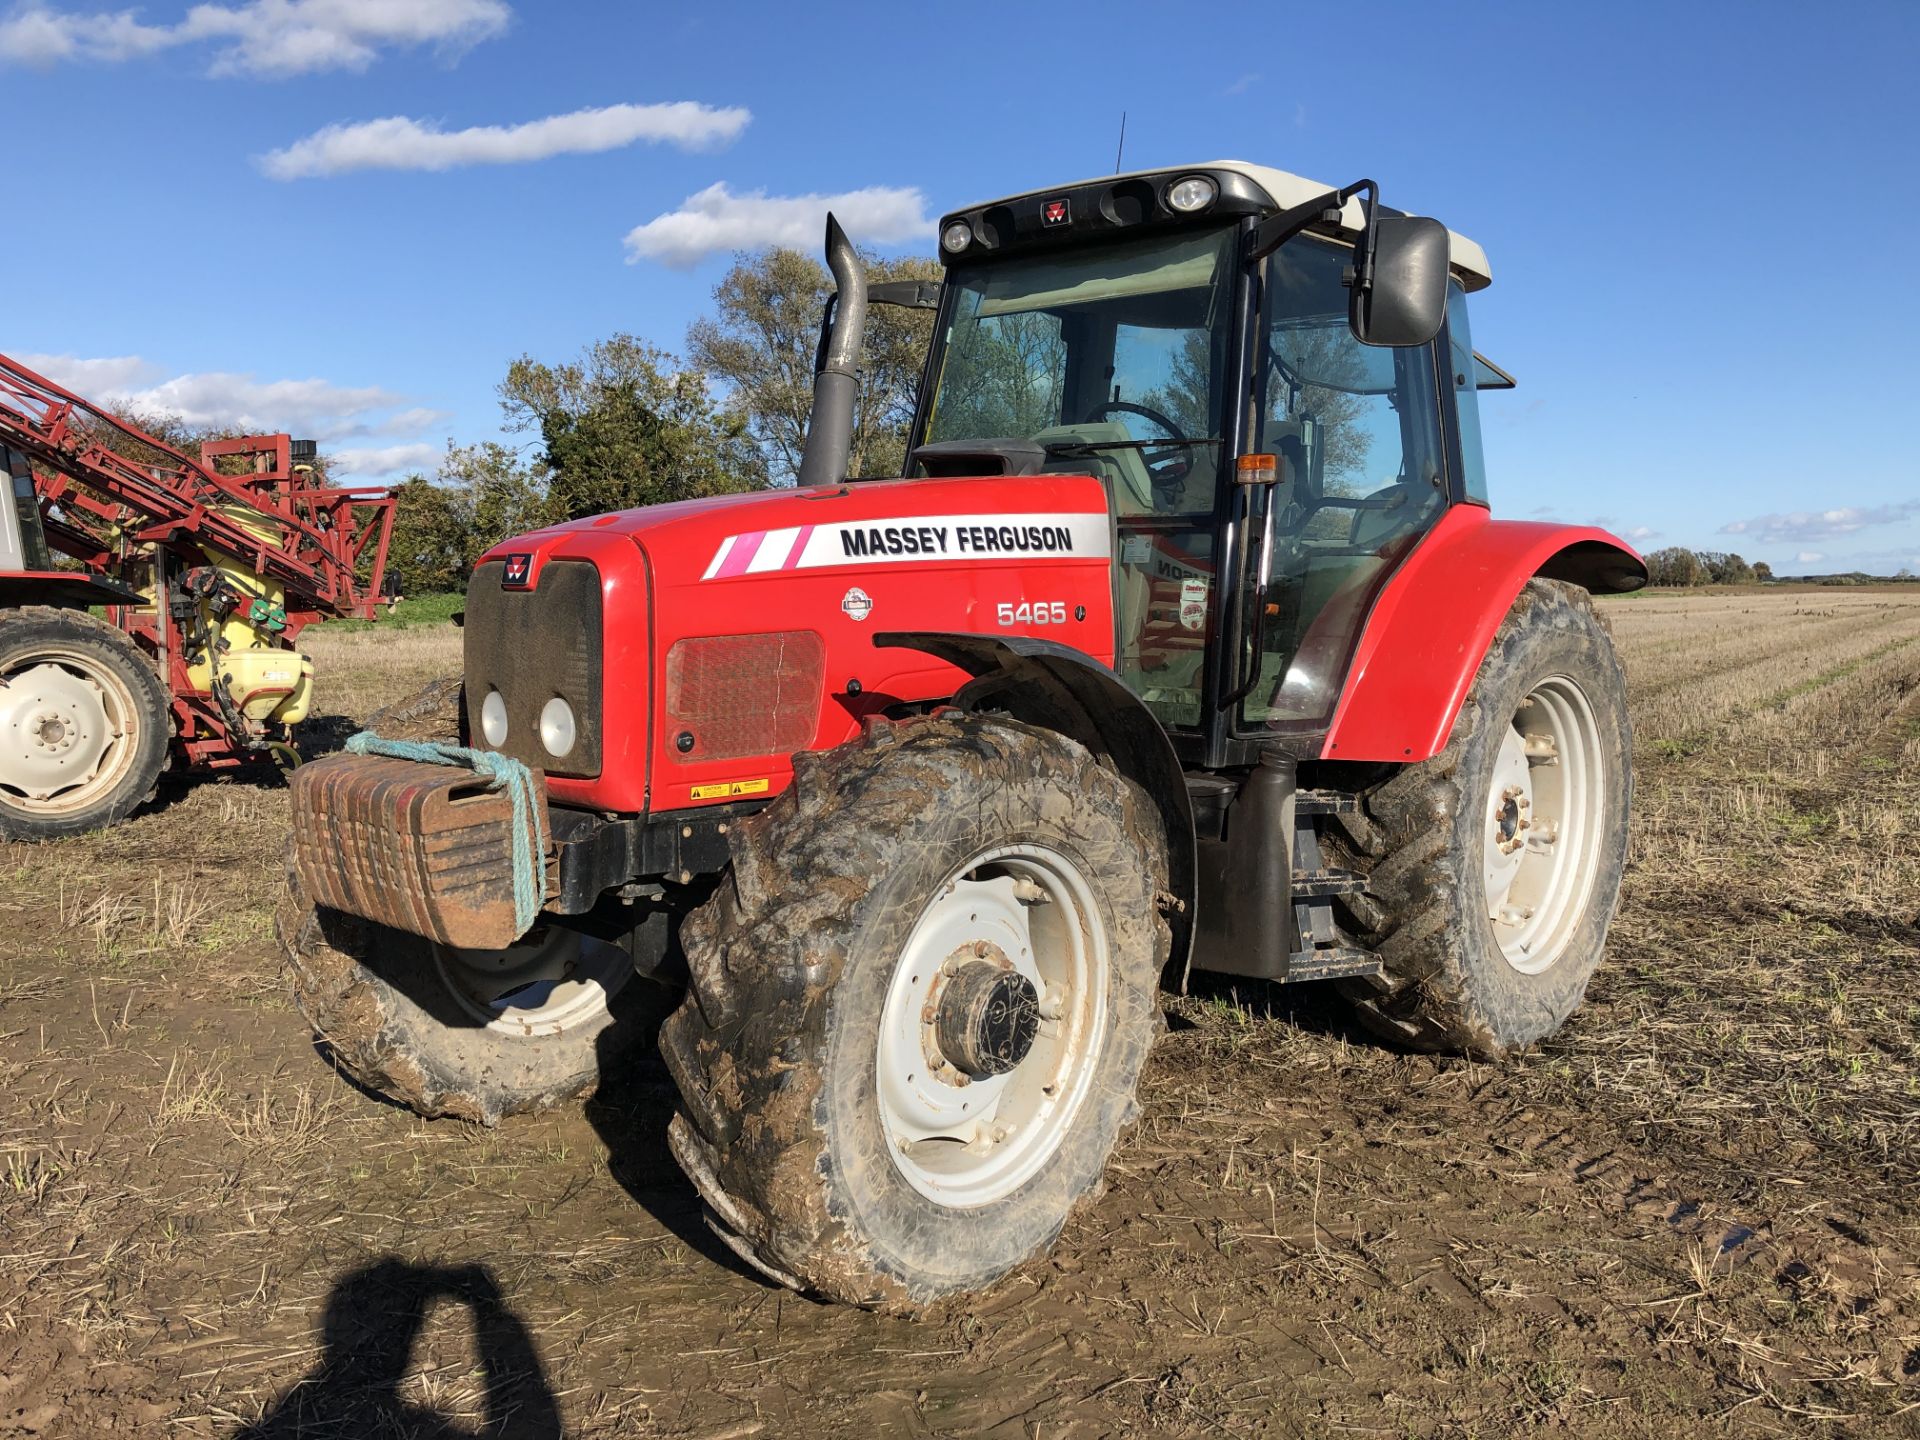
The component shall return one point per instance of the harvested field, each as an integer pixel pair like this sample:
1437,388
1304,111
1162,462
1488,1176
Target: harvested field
1693,1213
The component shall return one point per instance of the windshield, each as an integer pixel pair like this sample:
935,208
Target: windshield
1112,357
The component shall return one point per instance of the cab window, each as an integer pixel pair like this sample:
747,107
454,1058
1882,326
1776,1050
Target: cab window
1465,377
1357,435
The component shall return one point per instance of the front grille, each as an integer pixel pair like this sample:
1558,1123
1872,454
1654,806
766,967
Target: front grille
533,645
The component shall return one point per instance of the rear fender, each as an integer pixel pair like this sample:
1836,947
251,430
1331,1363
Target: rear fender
1432,625
1059,688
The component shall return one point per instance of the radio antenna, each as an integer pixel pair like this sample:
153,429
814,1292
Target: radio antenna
1121,149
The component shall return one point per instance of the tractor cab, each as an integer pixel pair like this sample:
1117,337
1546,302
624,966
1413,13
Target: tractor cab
1267,469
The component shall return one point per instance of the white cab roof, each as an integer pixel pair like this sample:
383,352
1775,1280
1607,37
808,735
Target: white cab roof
1287,190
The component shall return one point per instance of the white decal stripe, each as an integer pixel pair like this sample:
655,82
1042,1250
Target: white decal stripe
949,538
774,548
719,558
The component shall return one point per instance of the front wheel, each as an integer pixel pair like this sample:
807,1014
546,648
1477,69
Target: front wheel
1501,870
473,1034
919,1007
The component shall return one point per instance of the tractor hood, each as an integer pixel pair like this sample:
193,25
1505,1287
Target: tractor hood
746,622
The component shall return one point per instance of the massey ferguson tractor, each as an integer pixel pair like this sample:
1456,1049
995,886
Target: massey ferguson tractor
1188,643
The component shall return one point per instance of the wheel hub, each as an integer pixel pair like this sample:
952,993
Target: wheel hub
54,731
986,1018
989,1034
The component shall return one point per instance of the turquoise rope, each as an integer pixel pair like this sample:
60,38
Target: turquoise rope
500,772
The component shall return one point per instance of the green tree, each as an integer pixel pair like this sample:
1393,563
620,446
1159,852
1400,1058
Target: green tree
1727,569
627,425
483,494
1675,566
432,526
1762,571
762,340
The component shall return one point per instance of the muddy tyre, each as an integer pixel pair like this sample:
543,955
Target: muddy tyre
477,1035
83,724
919,1005
1502,857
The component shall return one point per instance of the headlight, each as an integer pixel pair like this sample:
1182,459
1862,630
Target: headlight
956,237
1194,193
557,732
493,719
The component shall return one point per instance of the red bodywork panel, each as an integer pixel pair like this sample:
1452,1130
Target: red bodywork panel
1431,626
950,554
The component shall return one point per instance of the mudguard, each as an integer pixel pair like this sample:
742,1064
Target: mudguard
1063,689
1432,625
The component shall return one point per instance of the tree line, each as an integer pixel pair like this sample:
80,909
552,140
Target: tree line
1680,567
628,423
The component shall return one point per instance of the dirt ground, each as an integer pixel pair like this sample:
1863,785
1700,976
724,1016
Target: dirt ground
1693,1213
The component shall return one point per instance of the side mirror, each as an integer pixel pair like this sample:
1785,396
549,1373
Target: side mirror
1407,300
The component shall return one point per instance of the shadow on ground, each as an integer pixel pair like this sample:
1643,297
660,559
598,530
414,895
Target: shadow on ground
373,1319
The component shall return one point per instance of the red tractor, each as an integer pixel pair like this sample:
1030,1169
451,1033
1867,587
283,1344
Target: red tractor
1189,643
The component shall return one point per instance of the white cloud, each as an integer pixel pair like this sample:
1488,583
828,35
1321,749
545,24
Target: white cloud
716,220
312,408
386,460
306,407
1802,525
1641,533
259,37
1809,557
104,376
402,143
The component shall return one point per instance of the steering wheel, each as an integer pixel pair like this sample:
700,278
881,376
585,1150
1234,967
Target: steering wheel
1168,466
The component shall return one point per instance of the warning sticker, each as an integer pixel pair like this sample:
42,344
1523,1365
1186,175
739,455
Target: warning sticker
730,788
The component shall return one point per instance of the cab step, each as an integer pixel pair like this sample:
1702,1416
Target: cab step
1331,963
1325,802
1317,884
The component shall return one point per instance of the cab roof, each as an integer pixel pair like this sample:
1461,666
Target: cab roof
1279,189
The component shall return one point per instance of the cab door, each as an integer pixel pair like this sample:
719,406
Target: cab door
1361,477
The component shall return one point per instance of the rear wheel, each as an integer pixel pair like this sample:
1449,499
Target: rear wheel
83,724
920,1002
1503,854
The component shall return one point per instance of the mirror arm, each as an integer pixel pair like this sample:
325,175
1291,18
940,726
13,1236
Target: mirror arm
1276,230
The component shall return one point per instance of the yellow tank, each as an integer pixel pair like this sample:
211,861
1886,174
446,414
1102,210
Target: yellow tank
268,681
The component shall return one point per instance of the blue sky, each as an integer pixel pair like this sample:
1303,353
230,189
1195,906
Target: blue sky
1701,218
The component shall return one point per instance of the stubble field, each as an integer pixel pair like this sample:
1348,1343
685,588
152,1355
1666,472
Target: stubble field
1695,1212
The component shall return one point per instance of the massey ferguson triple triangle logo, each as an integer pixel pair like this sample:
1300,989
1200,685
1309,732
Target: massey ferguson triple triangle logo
1055,212
517,571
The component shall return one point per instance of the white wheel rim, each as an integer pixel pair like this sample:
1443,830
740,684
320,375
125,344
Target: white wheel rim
966,1142
1544,818
552,980
69,730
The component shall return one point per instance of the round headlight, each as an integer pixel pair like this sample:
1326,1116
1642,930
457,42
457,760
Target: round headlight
1196,192
557,731
956,237
493,718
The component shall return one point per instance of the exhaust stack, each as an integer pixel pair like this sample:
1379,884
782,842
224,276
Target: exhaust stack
836,378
